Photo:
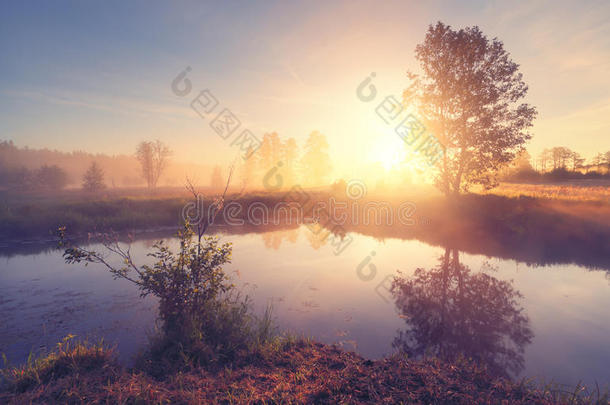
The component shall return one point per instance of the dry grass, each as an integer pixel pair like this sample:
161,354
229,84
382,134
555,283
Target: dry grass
580,190
298,371
68,358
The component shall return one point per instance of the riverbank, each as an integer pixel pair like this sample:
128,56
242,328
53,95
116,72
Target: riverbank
530,230
294,371
36,217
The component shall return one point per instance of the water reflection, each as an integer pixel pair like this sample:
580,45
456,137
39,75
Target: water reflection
446,308
450,311
273,240
565,242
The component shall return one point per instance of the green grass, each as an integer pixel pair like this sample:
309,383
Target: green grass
41,219
41,216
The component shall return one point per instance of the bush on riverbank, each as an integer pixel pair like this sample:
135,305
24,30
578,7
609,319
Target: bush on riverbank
205,320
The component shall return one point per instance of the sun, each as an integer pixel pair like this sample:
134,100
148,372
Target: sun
389,152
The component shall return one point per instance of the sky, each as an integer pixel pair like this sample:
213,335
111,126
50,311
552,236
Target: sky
97,76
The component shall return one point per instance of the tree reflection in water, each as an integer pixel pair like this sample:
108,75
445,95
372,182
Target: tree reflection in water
452,312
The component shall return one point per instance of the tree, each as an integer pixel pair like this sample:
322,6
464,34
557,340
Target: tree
290,154
269,153
544,158
519,169
93,179
467,96
577,161
19,178
216,180
315,161
606,160
522,161
153,158
560,156
249,170
597,160
51,177
273,153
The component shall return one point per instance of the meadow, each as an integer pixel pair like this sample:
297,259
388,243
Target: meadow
575,190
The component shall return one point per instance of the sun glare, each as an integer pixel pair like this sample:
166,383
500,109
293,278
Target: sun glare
390,153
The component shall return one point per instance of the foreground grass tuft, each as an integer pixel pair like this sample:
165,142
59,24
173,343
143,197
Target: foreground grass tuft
68,358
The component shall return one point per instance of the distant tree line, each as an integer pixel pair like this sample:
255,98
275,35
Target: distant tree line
20,168
124,170
280,163
555,164
46,177
119,169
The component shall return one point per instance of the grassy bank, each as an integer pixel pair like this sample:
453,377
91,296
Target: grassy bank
286,370
575,190
39,219
533,230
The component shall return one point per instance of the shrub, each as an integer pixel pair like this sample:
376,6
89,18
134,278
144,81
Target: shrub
204,318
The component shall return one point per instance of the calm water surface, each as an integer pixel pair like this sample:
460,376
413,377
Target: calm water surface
550,322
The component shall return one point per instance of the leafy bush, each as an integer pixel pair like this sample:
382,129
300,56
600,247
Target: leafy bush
204,318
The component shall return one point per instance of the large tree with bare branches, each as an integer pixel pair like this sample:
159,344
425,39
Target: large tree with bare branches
153,157
468,94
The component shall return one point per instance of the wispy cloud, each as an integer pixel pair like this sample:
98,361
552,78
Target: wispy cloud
114,105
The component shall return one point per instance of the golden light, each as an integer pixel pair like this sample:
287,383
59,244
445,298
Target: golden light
389,151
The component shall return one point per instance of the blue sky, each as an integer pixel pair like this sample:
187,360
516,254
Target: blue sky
96,76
